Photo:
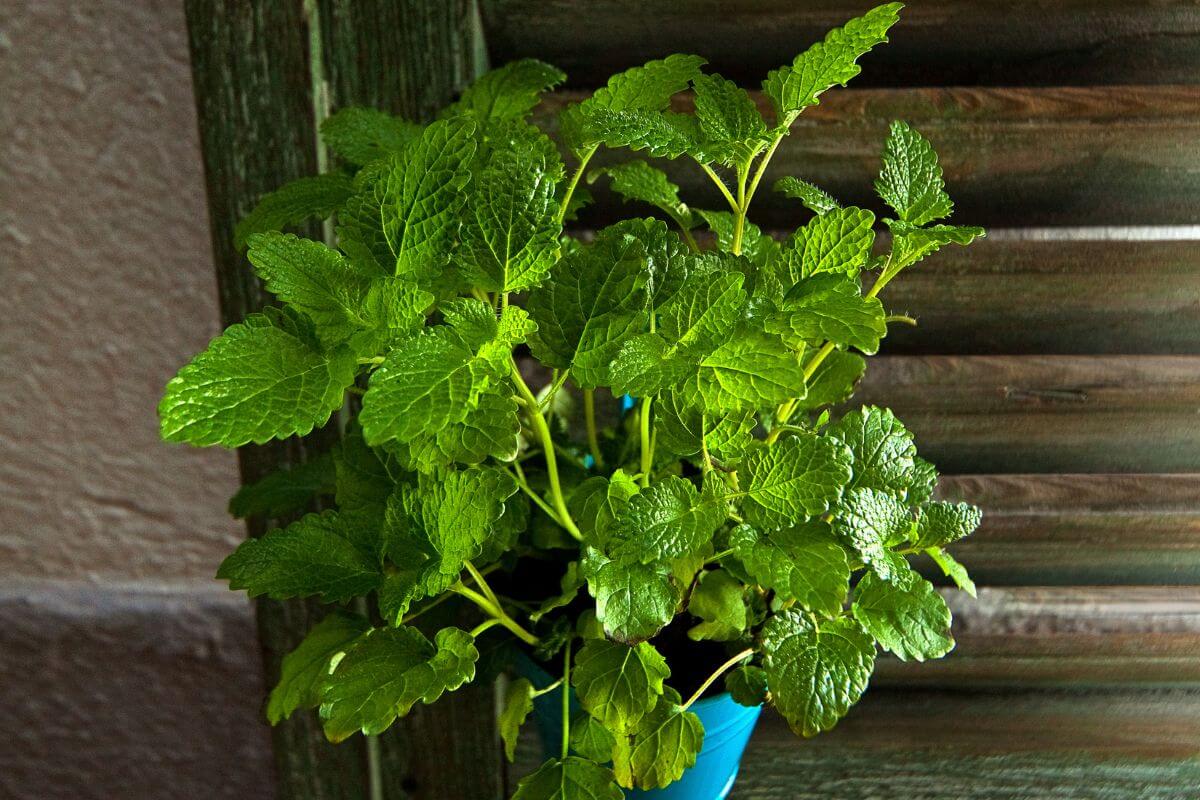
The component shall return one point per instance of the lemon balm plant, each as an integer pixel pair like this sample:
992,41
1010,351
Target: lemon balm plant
728,509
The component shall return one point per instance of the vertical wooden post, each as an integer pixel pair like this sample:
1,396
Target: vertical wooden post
265,72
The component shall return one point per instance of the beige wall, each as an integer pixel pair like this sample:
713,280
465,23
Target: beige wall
130,671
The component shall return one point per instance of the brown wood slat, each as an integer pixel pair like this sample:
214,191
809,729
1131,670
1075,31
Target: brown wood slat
1007,296
992,745
1080,529
1013,156
1035,42
1025,414
1064,636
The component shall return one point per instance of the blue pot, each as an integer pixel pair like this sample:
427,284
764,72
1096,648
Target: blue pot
727,729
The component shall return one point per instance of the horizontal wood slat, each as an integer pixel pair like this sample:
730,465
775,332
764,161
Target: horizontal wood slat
1013,156
1070,636
938,41
1007,296
1080,529
993,745
985,414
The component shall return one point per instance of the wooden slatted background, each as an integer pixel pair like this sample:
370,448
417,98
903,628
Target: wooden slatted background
1055,376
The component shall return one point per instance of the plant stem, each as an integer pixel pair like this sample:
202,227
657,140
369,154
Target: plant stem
749,651
718,556
720,185
739,222
566,201
496,611
483,626
762,167
481,583
706,462
532,495
566,700
589,416
441,598
547,689
787,409
647,445
543,432
687,235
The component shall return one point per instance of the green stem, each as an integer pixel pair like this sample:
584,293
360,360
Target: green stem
547,689
787,409
502,618
560,377
706,463
589,416
742,656
907,320
647,444
687,235
718,556
534,496
566,701
543,433
739,223
720,185
762,166
481,583
566,201
483,626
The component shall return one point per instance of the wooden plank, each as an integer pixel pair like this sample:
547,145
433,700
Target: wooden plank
987,745
966,42
1064,636
1011,296
1013,156
1080,529
1036,414
265,73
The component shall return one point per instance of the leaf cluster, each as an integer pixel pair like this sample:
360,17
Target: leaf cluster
466,342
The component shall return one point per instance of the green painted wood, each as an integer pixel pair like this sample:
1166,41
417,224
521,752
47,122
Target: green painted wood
265,72
1044,414
964,42
1013,156
1062,530
1005,296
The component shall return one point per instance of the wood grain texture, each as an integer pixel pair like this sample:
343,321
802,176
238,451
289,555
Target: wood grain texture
1041,530
987,745
1012,156
937,41
1009,297
986,414
258,101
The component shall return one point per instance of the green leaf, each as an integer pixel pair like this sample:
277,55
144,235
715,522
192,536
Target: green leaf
679,427
490,430
518,703
939,524
883,449
924,482
804,563
733,131
952,569
704,311
590,739
667,258
310,557
815,199
907,617
509,92
830,307
815,674
511,231
425,384
618,685
387,673
837,241
597,502
829,63
594,300
662,134
638,181
304,670
360,232
363,135
870,521
668,520
718,601
911,180
314,280
364,484
664,744
393,311
747,685
261,379
293,203
751,371
571,778
799,476
834,381
633,601
911,244
423,197
285,491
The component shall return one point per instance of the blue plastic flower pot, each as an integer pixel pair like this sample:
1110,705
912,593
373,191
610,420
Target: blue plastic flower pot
727,729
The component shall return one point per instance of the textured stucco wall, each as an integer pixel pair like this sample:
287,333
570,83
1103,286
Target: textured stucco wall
124,669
